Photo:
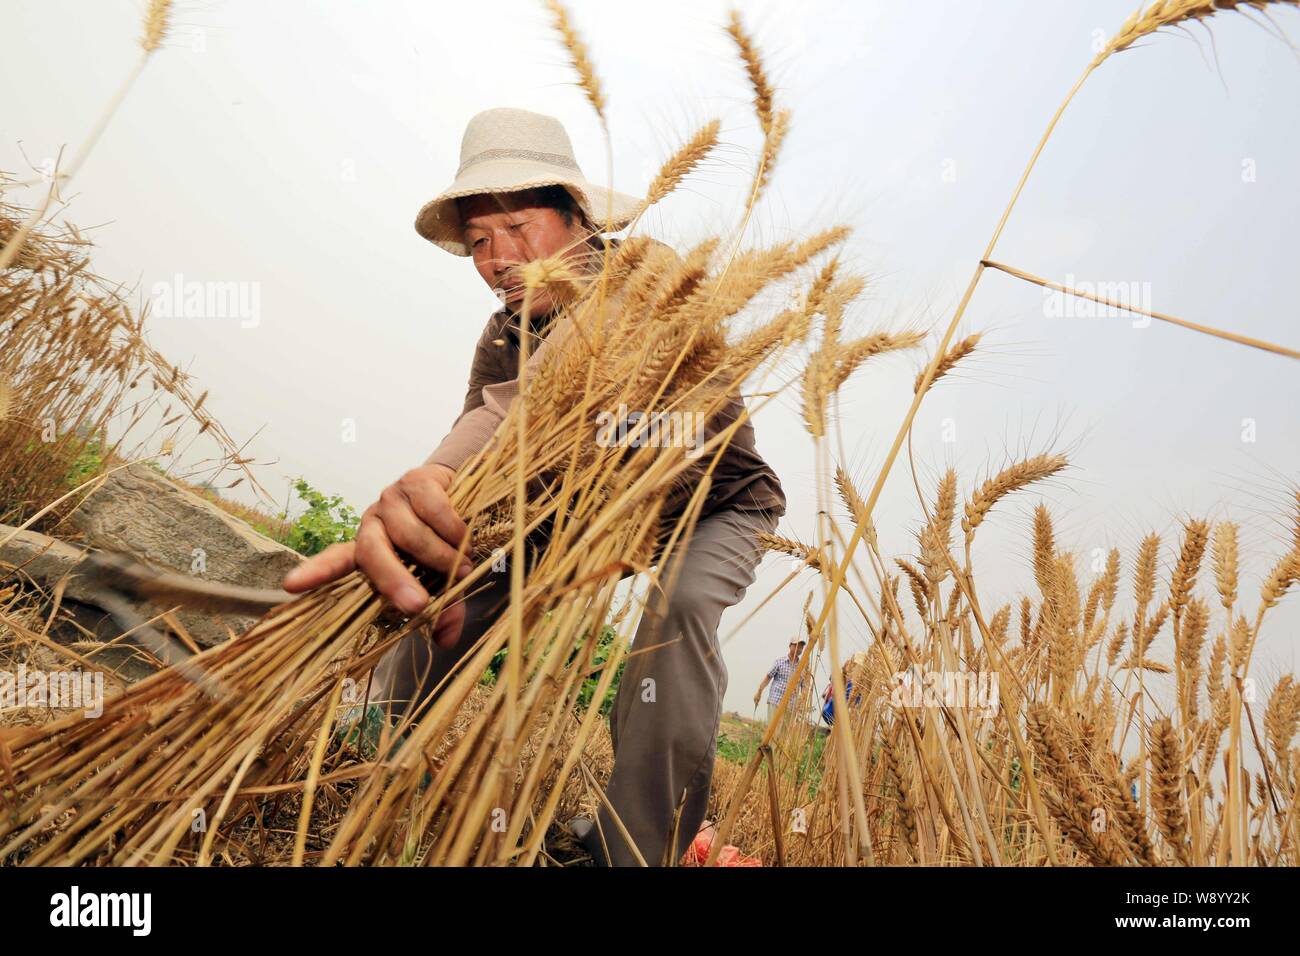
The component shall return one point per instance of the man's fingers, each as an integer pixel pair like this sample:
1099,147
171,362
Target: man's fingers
413,515
376,557
447,627
330,565
431,505
406,530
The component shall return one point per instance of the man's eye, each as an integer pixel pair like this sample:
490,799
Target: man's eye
478,242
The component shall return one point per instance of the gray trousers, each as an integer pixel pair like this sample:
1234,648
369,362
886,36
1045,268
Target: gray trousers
665,717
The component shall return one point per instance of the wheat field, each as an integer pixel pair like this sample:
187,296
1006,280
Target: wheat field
1111,719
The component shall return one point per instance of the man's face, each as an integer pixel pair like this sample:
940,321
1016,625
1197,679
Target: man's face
506,230
795,649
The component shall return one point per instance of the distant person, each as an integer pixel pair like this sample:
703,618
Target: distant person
779,676
853,666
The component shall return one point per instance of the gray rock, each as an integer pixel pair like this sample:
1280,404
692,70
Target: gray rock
146,515
44,559
28,555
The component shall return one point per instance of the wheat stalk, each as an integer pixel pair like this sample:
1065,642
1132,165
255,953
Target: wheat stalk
579,58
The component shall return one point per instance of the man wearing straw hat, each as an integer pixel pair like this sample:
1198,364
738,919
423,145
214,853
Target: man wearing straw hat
520,195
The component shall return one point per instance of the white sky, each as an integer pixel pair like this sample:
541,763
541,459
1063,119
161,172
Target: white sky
290,144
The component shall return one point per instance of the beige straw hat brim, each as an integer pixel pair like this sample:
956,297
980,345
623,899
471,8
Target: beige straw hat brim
507,150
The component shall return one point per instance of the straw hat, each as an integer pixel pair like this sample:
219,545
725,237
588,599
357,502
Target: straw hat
505,150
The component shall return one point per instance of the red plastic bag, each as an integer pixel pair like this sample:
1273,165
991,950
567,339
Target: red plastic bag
729,855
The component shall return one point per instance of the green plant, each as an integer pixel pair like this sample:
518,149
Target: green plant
603,648
737,750
809,772
493,669
88,463
327,520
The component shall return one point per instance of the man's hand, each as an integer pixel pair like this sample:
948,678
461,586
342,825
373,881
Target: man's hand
756,697
415,515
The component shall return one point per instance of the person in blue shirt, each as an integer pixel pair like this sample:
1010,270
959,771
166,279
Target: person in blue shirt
852,665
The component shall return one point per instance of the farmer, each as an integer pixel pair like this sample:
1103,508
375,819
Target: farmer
779,676
519,195
853,669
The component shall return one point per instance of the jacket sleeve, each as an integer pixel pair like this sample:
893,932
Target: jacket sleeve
485,370
476,425
486,367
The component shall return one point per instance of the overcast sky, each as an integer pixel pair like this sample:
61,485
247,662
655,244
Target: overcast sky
289,145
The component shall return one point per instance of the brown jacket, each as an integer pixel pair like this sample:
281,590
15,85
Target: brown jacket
742,480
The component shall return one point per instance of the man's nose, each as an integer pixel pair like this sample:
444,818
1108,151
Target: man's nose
510,250
506,271
503,264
